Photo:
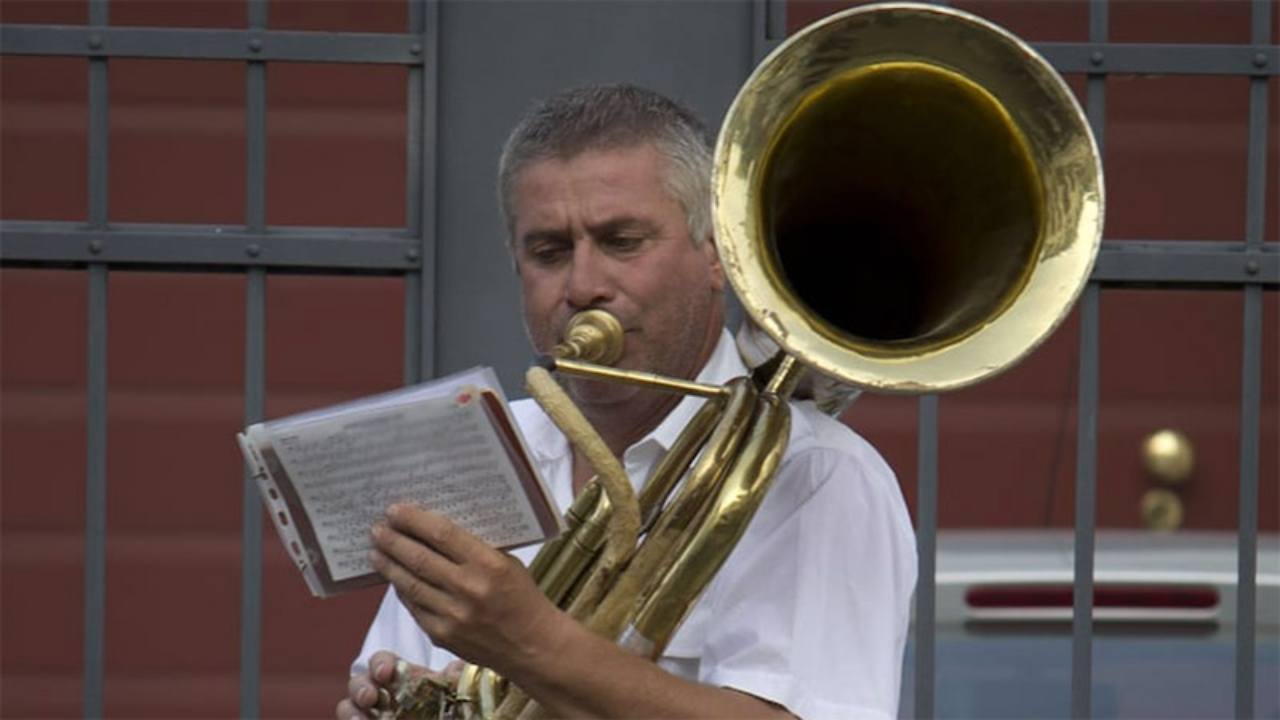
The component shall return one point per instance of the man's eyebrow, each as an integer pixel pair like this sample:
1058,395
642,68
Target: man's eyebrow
620,224
543,235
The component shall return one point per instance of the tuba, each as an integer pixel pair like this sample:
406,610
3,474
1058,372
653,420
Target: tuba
907,199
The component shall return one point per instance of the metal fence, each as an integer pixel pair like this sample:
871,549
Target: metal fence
256,249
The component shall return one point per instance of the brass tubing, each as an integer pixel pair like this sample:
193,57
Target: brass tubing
606,615
557,568
465,690
622,532
669,599
653,496
683,513
578,511
577,554
489,688
784,379
609,472
632,377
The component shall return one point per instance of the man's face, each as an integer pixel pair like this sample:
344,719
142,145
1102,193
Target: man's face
600,229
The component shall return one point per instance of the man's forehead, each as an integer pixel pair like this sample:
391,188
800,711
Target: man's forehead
594,178
643,154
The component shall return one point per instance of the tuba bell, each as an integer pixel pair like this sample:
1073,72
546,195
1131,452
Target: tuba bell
907,199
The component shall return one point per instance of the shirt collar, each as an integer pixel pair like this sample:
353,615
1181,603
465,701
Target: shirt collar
547,443
723,366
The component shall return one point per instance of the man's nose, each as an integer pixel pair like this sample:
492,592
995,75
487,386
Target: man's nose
589,278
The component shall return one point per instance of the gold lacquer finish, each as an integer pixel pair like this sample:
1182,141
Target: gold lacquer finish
592,336
1169,456
908,197
636,377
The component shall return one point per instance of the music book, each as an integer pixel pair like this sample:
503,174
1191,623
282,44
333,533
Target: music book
450,445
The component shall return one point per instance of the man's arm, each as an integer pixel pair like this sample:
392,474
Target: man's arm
484,606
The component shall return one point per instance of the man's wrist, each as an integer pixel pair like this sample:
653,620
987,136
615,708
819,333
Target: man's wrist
542,660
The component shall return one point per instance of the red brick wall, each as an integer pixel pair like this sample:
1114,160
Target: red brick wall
336,139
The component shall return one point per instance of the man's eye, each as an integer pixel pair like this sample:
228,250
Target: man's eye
547,254
624,243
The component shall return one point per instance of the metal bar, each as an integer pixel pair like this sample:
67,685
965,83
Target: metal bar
412,328
775,20
1131,262
203,247
1087,424
1257,60
1086,494
1188,263
428,128
99,131
927,550
256,131
1251,386
95,530
414,171
765,26
251,528
254,375
633,377
211,44
1247,559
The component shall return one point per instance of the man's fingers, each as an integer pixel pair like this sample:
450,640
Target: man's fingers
423,561
361,692
452,671
436,531
382,667
347,710
413,590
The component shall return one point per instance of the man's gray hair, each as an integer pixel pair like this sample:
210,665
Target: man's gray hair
609,117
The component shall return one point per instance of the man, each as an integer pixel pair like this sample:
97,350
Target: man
606,196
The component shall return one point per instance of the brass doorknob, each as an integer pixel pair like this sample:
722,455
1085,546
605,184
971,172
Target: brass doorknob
1168,456
1161,510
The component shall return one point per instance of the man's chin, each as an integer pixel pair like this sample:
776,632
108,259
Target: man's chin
600,393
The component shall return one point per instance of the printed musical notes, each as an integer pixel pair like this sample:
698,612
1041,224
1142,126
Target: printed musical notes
334,471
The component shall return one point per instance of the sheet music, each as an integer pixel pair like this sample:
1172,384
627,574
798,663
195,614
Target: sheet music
442,453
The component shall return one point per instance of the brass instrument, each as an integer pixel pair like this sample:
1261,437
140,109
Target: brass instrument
908,199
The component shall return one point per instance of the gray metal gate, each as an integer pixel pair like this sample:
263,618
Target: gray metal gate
414,251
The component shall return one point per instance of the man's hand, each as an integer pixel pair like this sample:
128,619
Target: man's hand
484,606
469,598
362,688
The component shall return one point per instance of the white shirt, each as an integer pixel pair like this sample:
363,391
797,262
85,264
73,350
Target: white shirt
811,608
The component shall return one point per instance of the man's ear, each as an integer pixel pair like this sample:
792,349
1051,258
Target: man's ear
714,267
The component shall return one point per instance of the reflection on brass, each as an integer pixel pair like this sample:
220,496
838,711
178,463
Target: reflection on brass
592,336
1161,510
637,377
1168,456
907,198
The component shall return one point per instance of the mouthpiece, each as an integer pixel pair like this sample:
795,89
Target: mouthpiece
593,336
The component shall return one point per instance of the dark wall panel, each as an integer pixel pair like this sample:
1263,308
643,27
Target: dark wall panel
496,59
